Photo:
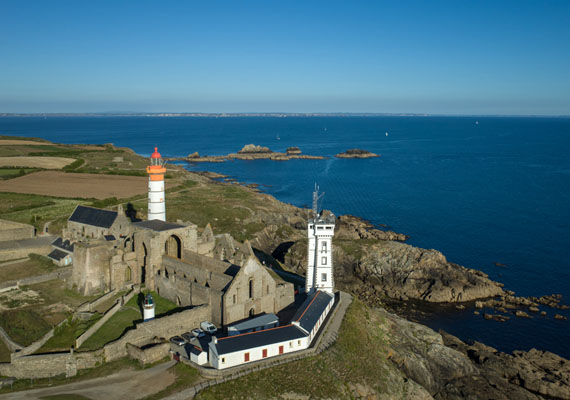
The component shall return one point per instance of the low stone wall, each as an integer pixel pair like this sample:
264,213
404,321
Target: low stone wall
148,354
112,311
38,343
90,306
164,327
15,253
61,273
50,365
10,230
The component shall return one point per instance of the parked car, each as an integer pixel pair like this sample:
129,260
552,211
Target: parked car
198,332
187,336
177,340
208,327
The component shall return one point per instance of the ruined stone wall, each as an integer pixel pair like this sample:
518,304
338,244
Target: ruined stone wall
15,253
164,327
239,302
110,312
284,295
150,354
15,231
50,365
91,271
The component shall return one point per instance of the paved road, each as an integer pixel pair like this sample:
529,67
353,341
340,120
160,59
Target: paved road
122,385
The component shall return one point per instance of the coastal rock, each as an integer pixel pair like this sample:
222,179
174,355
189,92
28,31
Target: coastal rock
350,227
521,314
293,151
521,375
422,355
558,316
356,153
194,155
252,148
398,269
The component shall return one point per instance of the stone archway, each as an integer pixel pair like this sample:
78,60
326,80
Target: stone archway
173,247
252,312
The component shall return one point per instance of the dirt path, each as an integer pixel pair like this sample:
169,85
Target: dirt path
122,385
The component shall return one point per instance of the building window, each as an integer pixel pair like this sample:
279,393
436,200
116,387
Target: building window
324,261
251,289
298,342
281,349
264,353
323,277
234,299
246,357
291,345
324,246
223,360
267,289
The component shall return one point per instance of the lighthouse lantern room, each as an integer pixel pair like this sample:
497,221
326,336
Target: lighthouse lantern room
156,204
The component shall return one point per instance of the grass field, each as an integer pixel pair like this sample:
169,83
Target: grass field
360,355
37,265
124,320
32,316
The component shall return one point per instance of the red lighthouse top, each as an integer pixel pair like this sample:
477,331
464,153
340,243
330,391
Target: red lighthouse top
156,154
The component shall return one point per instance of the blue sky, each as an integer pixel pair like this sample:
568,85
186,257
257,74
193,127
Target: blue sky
442,57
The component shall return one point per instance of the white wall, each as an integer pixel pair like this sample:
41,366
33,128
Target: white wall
256,353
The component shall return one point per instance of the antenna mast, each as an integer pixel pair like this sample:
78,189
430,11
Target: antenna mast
316,198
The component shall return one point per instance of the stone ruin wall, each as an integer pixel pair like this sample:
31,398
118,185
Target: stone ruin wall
15,231
50,365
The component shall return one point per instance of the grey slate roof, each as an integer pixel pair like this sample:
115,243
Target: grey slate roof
157,225
256,322
311,310
93,216
267,337
65,245
109,238
57,254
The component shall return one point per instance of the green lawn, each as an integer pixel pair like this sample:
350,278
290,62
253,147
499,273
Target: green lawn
4,352
124,320
24,326
8,173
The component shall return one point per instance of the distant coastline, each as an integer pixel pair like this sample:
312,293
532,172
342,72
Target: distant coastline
270,114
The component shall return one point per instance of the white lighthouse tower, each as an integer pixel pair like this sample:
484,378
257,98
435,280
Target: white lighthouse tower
155,171
148,308
320,261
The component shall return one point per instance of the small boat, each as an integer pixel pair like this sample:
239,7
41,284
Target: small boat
277,137
386,133
476,122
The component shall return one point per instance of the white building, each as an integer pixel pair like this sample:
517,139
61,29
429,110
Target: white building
236,350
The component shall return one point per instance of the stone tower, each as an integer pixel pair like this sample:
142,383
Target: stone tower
320,232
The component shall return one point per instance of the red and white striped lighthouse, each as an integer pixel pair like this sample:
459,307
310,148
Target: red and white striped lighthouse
155,171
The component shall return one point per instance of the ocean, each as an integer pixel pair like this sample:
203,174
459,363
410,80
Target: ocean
491,193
